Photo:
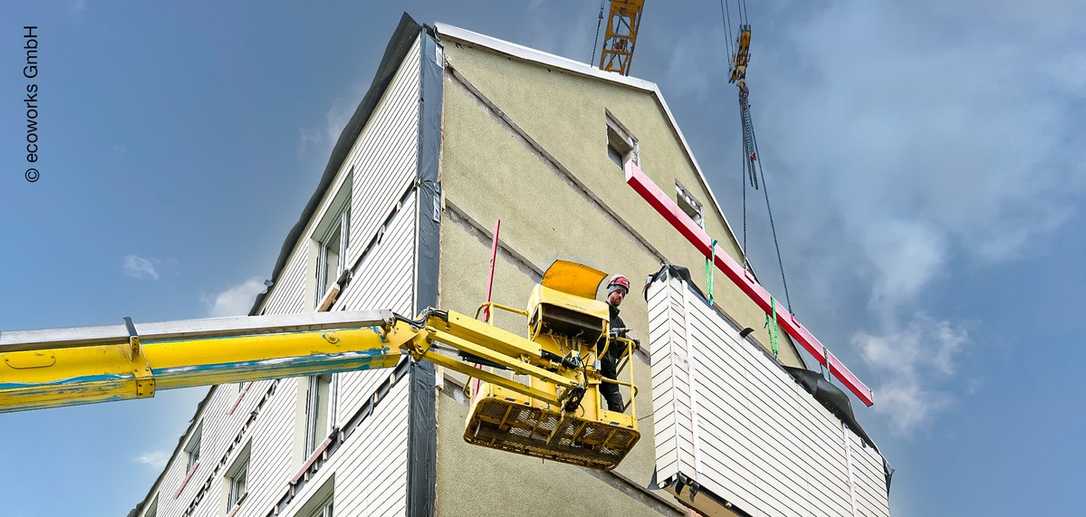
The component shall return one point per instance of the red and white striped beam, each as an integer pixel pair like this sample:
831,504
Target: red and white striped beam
663,204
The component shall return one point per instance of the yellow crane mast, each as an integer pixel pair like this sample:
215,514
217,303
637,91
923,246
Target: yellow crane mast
556,414
620,37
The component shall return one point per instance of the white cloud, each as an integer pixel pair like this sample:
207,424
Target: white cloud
914,364
322,139
235,300
156,459
906,256
895,166
139,267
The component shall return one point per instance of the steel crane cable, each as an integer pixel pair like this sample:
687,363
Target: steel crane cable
726,21
772,224
596,40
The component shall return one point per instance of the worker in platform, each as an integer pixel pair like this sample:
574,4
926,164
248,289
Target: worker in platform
617,289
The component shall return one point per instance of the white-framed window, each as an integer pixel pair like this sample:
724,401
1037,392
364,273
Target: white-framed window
237,477
332,236
689,204
192,448
320,503
319,410
332,253
324,509
621,145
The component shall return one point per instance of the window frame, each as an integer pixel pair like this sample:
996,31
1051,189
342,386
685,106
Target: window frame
192,447
342,226
314,436
336,218
320,503
615,131
239,469
325,508
688,203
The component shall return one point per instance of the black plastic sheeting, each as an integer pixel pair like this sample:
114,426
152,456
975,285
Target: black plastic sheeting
831,397
422,425
826,393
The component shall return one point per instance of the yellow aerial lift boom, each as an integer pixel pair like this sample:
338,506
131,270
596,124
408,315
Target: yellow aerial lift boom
557,414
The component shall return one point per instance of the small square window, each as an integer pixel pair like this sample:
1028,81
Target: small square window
192,448
237,478
689,204
621,146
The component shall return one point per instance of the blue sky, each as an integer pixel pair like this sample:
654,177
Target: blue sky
925,164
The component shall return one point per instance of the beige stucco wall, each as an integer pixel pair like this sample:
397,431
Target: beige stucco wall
565,113
489,172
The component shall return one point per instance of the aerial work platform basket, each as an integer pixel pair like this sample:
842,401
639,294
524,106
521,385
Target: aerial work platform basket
572,328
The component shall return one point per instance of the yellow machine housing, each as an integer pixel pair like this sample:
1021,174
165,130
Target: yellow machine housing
570,326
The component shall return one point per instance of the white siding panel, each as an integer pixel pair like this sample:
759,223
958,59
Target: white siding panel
375,480
276,451
385,155
371,466
382,163
729,418
384,279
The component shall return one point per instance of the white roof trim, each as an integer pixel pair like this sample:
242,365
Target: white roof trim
587,70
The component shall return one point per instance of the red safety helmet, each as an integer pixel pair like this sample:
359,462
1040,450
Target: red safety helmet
619,281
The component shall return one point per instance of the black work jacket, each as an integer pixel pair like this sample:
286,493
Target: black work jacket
615,351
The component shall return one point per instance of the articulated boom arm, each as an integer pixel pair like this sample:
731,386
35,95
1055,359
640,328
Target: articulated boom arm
64,367
555,413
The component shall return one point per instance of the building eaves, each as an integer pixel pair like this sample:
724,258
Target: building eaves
587,70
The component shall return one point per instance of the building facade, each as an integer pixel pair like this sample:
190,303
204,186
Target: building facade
457,131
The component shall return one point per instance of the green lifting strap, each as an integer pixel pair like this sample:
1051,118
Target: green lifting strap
773,329
709,263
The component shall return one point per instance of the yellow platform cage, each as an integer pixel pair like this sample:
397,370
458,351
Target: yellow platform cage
566,320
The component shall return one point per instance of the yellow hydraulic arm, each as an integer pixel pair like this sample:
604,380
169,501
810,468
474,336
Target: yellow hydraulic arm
63,367
549,408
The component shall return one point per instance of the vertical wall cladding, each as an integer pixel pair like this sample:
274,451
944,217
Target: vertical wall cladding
727,417
370,468
670,371
274,455
371,464
421,489
869,493
383,279
385,155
